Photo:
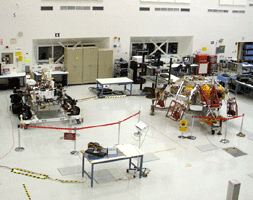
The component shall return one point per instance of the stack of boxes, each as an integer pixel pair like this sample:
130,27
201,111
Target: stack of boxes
202,61
213,65
207,64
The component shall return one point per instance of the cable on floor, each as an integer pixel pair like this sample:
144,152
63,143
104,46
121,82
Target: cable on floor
5,167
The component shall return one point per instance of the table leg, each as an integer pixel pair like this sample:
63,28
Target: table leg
102,90
236,87
140,83
83,166
141,166
131,86
130,161
92,171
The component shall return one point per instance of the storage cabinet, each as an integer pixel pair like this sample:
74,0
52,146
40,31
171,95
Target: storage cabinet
90,60
105,63
74,64
86,64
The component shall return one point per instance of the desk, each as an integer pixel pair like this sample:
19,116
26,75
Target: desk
15,75
110,81
153,68
56,75
128,151
246,87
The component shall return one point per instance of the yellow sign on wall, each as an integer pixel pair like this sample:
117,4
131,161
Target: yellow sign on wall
204,48
20,58
18,53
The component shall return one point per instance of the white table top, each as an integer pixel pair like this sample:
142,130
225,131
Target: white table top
128,150
114,80
13,75
172,77
161,67
52,73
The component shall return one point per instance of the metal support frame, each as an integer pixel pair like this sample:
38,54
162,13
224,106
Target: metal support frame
91,175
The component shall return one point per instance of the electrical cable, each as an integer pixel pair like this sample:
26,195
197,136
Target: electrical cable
6,167
144,137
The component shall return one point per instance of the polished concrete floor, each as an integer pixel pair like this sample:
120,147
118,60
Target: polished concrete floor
178,168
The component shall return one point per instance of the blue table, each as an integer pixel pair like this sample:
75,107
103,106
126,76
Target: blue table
126,151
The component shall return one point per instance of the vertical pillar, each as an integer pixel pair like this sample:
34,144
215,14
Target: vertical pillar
19,148
233,190
75,152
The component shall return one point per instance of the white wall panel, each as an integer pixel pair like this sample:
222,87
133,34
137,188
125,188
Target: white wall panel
183,1
226,2
169,1
123,19
149,0
240,2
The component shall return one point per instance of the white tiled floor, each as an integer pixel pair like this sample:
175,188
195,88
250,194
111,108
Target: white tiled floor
182,171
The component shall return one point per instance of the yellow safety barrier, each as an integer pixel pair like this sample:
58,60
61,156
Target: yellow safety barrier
116,96
27,193
41,176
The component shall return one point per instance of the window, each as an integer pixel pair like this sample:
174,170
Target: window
55,52
172,49
58,52
44,53
152,48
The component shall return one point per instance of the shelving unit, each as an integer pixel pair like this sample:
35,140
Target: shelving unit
248,52
120,68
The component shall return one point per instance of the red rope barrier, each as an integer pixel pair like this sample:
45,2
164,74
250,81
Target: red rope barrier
44,127
87,127
236,117
130,117
218,118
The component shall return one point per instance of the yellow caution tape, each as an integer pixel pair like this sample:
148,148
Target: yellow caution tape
116,96
41,176
27,193
88,98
